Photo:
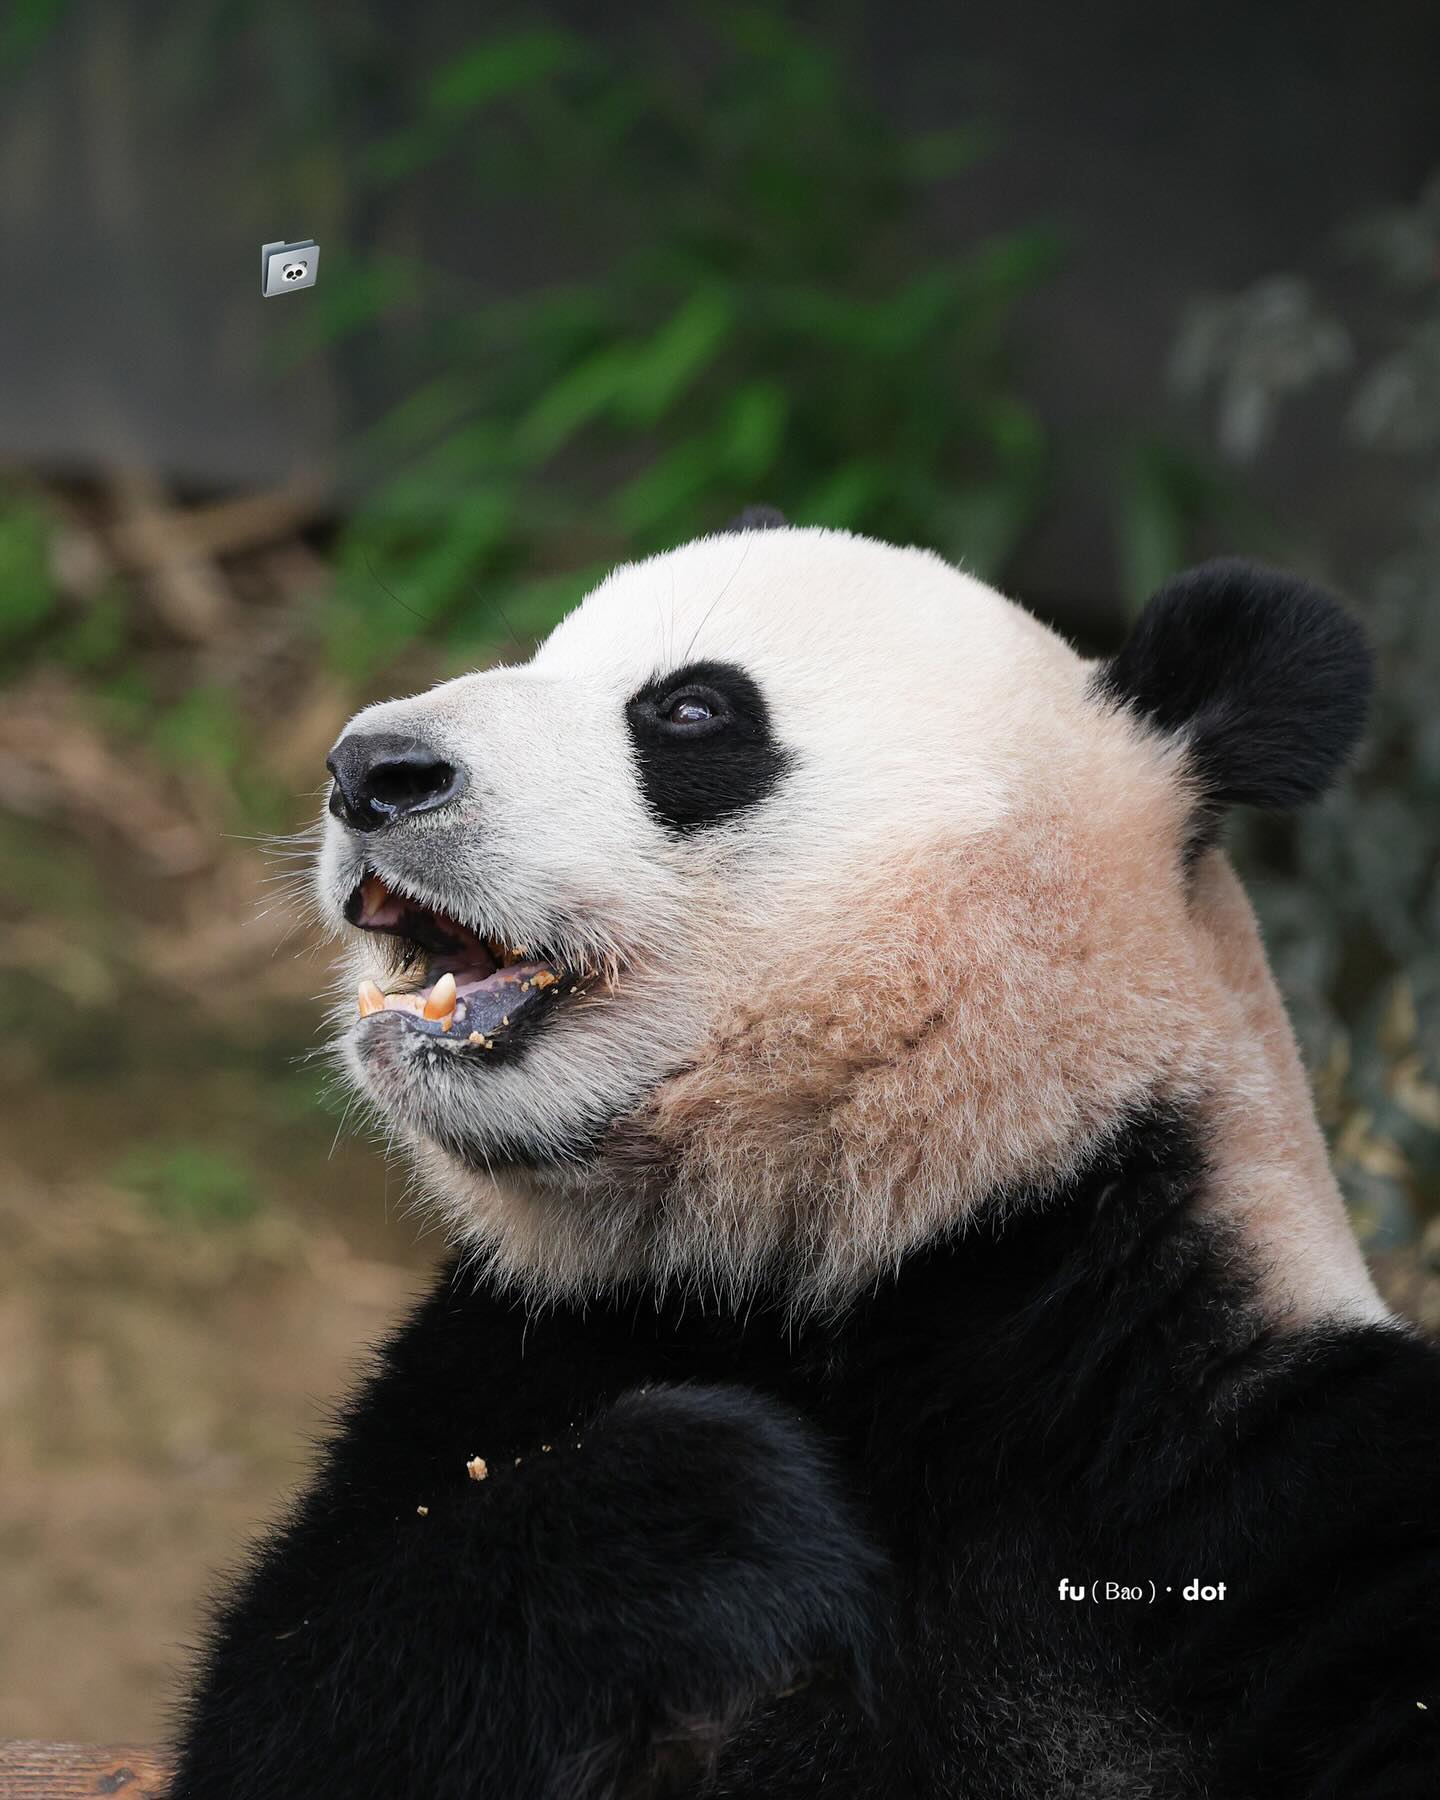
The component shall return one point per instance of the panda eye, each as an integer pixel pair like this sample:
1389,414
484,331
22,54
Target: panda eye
704,749
692,711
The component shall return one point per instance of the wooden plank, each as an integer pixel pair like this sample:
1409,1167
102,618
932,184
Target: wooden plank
30,1770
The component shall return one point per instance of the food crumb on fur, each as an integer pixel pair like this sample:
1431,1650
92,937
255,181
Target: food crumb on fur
424,1511
477,1468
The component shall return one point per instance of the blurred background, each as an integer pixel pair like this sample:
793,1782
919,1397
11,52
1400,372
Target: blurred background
1074,306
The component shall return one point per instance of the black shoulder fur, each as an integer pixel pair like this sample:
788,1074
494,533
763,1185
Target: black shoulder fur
715,1555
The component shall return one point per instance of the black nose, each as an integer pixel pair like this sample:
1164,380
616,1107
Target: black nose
381,777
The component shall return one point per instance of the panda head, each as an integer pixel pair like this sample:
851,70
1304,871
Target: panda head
802,892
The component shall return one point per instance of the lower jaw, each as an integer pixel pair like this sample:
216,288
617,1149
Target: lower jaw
389,1034
478,1014
393,1059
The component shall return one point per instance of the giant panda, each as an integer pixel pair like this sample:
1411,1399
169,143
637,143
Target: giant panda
902,1336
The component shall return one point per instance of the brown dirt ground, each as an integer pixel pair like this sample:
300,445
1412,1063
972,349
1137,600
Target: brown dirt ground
159,1388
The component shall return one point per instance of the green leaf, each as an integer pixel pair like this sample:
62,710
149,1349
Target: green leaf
27,594
401,153
594,385
500,66
662,368
98,635
1009,264
942,155
203,728
643,506
191,1184
843,498
984,524
752,429
437,406
397,590
1014,432
1150,527
28,24
1163,496
356,297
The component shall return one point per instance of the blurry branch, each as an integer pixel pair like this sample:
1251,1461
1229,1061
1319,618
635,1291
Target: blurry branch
148,742
175,548
187,591
1253,349
56,767
226,528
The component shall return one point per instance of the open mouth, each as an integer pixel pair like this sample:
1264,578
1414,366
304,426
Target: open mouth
450,982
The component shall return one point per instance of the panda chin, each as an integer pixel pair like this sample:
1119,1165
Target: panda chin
445,1096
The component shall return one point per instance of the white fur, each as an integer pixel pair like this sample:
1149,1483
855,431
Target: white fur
935,729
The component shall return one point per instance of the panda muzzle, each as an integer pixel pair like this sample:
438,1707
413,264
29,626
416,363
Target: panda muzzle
474,989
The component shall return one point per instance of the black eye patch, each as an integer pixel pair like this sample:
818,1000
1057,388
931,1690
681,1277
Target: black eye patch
703,745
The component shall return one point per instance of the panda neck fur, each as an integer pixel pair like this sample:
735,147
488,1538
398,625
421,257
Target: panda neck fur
1059,984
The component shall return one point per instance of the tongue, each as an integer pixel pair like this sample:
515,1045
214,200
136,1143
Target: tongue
494,1004
476,1009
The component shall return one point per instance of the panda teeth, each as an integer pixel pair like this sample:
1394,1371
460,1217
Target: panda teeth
449,998
440,1001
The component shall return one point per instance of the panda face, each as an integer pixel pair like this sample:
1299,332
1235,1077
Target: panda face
713,740
796,894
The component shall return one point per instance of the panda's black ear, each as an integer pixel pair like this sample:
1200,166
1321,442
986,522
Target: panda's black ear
756,518
1265,679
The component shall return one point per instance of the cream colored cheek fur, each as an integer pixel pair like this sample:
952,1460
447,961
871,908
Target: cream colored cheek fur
1272,1167
969,1021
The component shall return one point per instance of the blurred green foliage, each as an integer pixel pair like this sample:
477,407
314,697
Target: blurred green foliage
731,285
1168,502
758,315
190,1183
1350,891
25,25
28,596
